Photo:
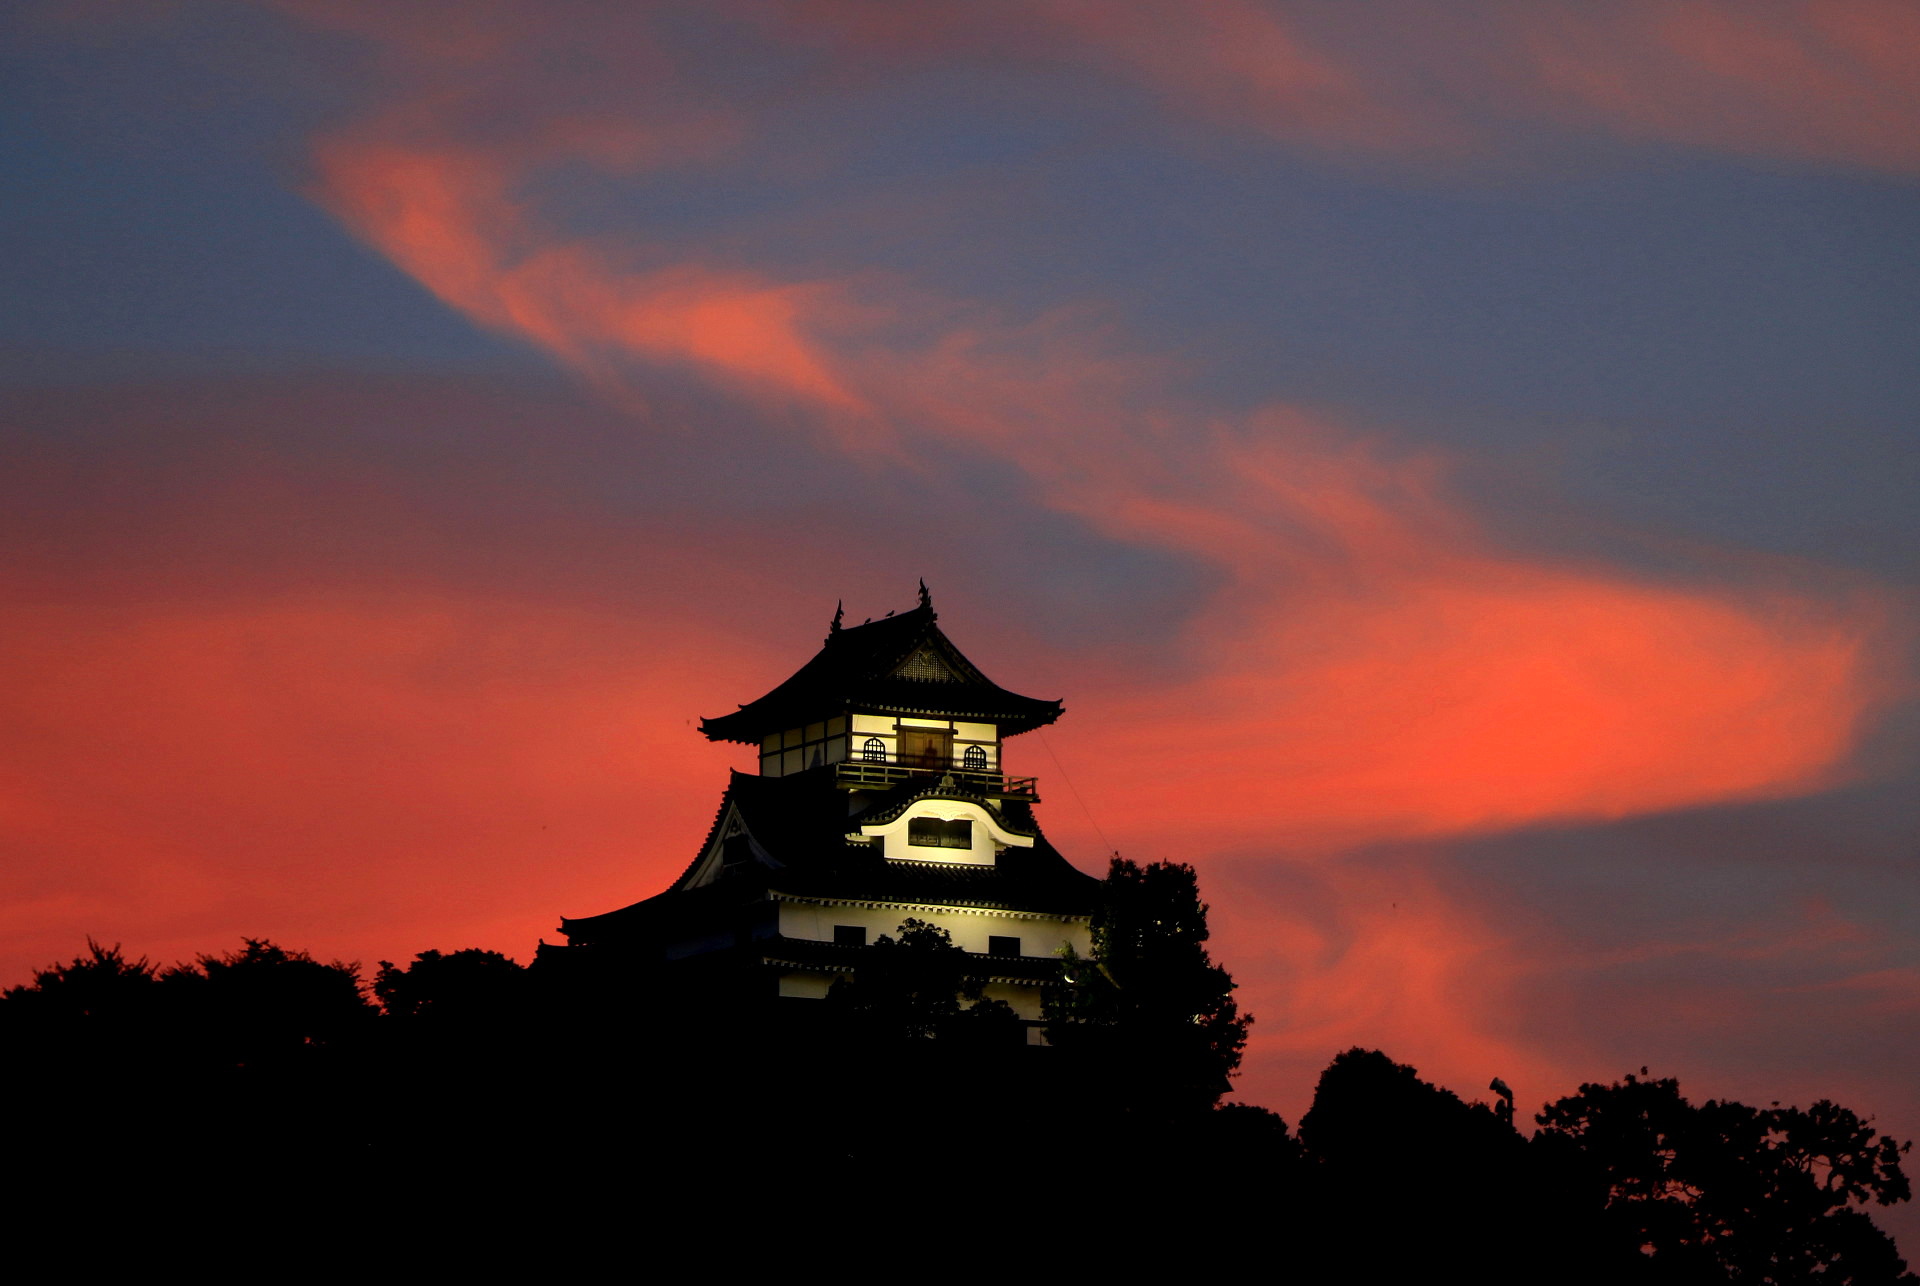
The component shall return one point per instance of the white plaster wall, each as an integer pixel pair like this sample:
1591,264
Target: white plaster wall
872,725
1025,1000
988,836
807,986
984,735
970,930
886,728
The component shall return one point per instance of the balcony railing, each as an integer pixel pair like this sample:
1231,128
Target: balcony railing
868,774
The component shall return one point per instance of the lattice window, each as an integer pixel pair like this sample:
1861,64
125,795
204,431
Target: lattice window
975,759
924,664
874,751
933,832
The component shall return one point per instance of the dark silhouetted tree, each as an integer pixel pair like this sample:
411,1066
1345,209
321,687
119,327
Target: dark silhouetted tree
264,1005
467,989
1404,1177
919,986
1727,1192
1149,1004
99,994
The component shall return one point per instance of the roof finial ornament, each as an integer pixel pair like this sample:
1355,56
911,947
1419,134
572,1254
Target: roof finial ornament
839,610
926,598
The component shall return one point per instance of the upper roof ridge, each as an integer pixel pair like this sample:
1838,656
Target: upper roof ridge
861,667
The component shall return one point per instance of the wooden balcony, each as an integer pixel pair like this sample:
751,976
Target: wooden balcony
867,774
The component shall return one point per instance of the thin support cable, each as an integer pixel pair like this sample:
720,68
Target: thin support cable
1075,790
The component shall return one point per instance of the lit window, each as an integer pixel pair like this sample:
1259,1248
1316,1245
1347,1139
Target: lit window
934,832
1003,946
874,751
849,935
804,748
976,759
930,749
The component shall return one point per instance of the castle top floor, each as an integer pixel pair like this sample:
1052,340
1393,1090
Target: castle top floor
886,697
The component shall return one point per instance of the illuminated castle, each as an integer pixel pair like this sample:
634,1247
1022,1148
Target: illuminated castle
881,795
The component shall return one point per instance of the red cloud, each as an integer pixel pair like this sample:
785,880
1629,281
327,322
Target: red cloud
1373,667
446,216
347,773
1384,958
1834,80
1370,666
1811,79
1822,80
1379,670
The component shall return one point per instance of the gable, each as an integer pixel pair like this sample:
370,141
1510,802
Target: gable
925,664
934,829
731,847
902,663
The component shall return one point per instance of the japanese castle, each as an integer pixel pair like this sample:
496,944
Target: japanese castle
881,795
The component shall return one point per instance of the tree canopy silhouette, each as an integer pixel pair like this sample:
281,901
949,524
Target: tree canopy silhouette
1149,1002
469,988
918,986
272,1059
264,1004
95,993
1726,1192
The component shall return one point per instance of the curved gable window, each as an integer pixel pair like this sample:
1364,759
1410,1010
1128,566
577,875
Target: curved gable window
976,759
874,751
935,832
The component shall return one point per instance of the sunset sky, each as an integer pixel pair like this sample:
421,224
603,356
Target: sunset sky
1458,463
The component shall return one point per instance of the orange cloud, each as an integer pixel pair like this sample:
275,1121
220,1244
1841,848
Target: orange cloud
1412,80
357,775
1815,79
1382,958
1384,953
1824,80
1243,63
447,217
1373,668
1381,671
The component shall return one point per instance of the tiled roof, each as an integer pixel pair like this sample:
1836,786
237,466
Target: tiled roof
801,823
879,667
1028,880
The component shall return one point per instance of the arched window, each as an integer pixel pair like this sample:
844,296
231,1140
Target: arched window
874,751
976,759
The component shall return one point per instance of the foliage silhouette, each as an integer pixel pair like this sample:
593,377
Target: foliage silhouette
1726,1192
467,988
1403,1171
1149,1004
264,1004
908,1092
100,996
920,986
